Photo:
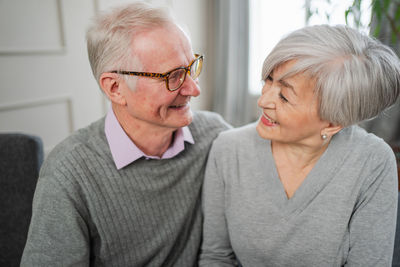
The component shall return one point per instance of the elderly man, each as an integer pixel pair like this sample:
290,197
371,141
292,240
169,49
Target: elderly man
125,191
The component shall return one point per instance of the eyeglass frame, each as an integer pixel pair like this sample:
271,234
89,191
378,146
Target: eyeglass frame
164,75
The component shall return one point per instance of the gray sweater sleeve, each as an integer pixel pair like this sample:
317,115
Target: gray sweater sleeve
373,223
216,248
58,235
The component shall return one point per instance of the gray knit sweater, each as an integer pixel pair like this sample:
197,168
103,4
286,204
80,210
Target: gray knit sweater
343,214
88,213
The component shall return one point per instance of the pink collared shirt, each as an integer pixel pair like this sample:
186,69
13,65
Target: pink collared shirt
124,150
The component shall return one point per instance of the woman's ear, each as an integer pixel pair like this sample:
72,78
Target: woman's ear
331,130
112,87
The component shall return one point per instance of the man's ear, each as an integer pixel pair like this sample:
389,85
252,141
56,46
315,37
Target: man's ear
111,85
331,130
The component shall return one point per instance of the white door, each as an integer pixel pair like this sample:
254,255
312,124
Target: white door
46,87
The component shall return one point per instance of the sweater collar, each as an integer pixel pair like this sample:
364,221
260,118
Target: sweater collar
124,150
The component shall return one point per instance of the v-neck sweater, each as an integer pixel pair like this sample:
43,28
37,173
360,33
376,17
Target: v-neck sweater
86,212
343,214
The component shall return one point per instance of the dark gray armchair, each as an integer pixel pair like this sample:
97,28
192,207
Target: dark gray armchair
21,156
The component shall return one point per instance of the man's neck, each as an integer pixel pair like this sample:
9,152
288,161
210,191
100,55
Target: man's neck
153,140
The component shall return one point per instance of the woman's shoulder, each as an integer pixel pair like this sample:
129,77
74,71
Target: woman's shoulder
241,138
363,142
241,142
236,134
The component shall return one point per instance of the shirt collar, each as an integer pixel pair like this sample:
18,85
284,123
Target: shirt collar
124,150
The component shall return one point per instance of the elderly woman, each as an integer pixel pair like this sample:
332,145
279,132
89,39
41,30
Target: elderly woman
305,186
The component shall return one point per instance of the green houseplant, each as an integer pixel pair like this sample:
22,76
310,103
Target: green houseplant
384,22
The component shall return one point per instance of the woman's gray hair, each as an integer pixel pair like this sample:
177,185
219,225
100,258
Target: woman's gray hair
110,36
356,77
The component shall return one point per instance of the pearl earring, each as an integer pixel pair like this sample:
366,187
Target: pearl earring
324,136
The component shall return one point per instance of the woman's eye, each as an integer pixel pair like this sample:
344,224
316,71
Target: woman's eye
284,99
269,78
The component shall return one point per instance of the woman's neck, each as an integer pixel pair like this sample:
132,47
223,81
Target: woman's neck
294,163
298,156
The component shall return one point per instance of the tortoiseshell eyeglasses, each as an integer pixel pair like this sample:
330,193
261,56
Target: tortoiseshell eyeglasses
174,78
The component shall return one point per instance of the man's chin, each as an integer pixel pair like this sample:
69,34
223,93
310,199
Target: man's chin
184,119
187,119
179,118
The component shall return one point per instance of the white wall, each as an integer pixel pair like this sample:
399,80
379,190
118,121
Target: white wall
47,88
196,16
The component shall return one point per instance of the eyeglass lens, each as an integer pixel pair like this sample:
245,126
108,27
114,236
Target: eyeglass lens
195,69
177,77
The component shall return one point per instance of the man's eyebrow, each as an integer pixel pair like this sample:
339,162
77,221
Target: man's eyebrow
287,85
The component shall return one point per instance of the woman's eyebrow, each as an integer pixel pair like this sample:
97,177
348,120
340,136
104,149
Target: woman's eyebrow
287,85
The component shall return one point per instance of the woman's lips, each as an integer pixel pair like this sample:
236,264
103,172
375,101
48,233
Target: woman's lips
267,120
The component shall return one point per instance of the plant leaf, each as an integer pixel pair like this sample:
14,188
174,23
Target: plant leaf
377,29
394,38
377,10
386,4
397,15
346,14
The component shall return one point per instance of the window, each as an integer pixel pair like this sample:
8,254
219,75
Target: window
271,20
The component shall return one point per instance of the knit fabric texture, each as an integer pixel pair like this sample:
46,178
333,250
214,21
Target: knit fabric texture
343,214
86,212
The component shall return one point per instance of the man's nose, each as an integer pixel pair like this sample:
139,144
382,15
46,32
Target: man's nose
190,87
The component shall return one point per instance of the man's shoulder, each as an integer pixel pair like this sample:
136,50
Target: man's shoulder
82,140
209,120
206,126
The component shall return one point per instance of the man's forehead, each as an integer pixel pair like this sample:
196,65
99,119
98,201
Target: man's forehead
160,46
159,38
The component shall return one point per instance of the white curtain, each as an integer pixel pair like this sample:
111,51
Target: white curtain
231,96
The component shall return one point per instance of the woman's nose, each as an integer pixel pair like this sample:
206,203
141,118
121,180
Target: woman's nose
268,97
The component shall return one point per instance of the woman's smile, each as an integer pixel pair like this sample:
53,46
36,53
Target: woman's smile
267,120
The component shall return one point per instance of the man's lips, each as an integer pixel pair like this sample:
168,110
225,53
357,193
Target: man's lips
178,106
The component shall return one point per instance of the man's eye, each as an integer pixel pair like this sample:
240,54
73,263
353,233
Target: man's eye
177,75
174,76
